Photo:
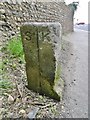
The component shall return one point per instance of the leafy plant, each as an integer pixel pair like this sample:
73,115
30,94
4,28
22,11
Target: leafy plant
74,6
15,47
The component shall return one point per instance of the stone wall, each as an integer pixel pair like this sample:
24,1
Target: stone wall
12,15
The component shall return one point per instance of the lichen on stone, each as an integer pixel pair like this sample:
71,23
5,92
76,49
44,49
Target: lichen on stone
38,43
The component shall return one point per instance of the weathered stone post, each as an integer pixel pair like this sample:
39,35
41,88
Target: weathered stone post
41,43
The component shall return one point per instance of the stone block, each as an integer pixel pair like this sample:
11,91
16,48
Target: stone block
41,43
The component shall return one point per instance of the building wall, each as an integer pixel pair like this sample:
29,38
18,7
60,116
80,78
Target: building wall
12,15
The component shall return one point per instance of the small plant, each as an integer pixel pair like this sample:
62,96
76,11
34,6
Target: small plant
15,47
74,6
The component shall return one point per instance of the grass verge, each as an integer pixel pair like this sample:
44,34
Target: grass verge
15,47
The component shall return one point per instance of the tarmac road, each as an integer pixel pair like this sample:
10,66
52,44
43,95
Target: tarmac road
85,27
75,73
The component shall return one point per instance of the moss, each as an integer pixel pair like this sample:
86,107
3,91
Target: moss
57,73
59,86
33,78
40,60
59,82
47,89
47,62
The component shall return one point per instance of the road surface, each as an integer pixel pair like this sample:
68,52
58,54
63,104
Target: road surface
76,77
85,27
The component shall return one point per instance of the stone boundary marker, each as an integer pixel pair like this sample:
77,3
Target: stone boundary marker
42,44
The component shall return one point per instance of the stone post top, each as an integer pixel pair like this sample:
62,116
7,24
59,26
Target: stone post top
42,24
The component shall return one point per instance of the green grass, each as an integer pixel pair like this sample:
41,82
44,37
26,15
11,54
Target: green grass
2,67
5,84
15,47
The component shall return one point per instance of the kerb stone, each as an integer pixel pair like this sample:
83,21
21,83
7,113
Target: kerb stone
42,44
